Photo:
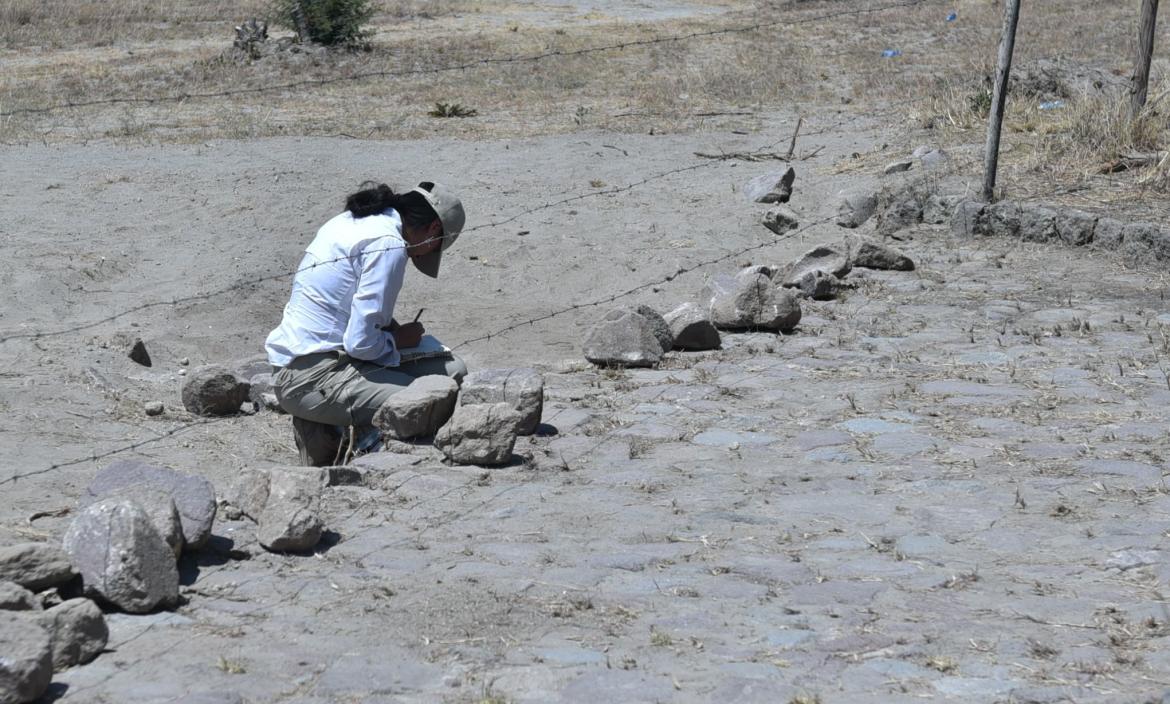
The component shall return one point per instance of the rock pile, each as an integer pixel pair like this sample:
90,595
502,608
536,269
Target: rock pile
1031,222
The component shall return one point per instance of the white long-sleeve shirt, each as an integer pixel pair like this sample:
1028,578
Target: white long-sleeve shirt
344,292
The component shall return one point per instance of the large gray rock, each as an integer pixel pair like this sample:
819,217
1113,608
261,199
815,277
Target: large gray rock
772,187
1003,219
1075,227
624,338
692,328
750,300
213,390
286,506
26,659
659,325
121,557
158,504
829,259
819,286
14,597
939,207
855,207
900,207
483,434
1145,242
35,566
522,389
1108,234
77,632
1037,223
193,495
781,219
969,219
418,410
868,254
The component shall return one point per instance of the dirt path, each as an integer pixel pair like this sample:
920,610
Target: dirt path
947,486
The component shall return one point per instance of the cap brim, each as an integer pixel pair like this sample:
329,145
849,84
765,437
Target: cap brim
429,263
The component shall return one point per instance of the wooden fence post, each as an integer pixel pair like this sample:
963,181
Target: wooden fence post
1140,82
1007,43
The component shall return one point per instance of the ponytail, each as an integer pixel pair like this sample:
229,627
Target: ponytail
376,198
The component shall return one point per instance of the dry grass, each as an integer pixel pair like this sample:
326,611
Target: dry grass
83,50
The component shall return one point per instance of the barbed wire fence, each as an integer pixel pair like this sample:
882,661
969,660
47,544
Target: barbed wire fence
515,325
459,66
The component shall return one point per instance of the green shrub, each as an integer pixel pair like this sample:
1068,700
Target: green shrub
328,22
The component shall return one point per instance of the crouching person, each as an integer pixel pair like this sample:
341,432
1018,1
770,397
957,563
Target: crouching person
336,354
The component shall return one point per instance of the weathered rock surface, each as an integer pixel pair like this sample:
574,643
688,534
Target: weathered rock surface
625,338
483,434
855,207
159,505
77,632
748,300
875,255
829,259
213,390
138,353
772,187
252,367
35,566
193,495
819,286
121,556
692,328
286,506
418,410
14,597
659,325
781,219
522,389
26,659
901,206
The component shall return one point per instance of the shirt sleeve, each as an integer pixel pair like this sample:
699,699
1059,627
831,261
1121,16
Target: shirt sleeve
383,265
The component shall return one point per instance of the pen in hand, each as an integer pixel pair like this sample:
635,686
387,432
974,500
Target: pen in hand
419,315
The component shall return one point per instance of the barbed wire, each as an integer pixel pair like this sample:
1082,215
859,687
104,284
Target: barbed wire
482,338
464,66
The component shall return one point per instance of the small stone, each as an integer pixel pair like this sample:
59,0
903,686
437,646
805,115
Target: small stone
855,207
625,338
153,408
139,354
193,495
484,434
26,659
868,254
934,159
291,518
819,286
750,300
897,167
829,259
121,557
35,566
260,386
184,362
212,390
269,401
419,410
692,328
158,504
77,632
781,219
182,372
14,597
522,389
773,187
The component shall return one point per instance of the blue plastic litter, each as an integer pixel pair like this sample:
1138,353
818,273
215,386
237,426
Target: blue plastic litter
891,53
952,17
1052,105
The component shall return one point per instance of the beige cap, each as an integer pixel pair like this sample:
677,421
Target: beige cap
450,211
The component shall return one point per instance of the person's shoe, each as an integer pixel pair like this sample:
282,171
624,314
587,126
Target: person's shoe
318,443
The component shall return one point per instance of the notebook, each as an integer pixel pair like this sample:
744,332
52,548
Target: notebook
428,347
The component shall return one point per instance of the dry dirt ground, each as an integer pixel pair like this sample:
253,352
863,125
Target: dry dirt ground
946,486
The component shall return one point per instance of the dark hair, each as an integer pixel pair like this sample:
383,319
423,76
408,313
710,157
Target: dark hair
376,198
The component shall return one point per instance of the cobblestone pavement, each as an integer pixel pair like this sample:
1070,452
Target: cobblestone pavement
948,486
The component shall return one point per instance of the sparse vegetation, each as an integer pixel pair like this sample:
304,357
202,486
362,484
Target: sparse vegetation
327,22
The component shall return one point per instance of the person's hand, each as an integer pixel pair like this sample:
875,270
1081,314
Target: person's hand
408,335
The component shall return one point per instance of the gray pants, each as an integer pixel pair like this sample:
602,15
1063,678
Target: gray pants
332,388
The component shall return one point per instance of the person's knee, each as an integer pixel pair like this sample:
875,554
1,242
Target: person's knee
456,369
